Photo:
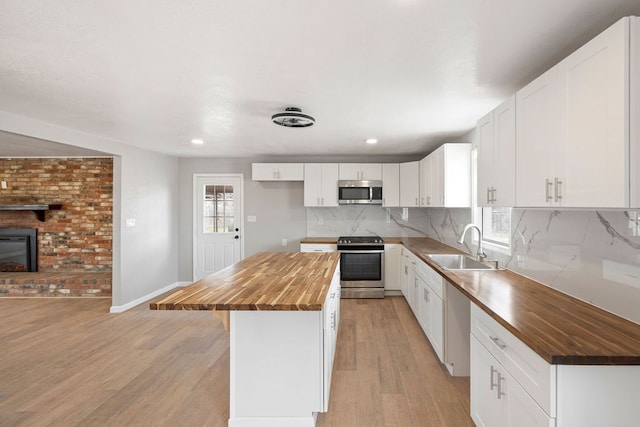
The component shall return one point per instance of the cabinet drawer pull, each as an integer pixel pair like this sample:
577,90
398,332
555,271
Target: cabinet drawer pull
491,383
500,379
547,190
498,342
558,189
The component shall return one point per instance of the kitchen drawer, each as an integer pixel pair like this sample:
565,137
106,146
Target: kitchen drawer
436,282
318,247
430,277
532,372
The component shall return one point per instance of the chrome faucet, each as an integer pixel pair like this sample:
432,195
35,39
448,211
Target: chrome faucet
480,255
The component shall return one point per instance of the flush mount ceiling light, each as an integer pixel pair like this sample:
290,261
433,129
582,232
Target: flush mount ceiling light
197,141
293,117
371,141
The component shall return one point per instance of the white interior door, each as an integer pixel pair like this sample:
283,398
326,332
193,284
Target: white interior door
217,223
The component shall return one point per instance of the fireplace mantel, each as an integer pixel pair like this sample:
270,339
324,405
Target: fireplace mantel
38,209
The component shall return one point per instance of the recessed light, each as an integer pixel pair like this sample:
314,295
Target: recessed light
371,141
197,141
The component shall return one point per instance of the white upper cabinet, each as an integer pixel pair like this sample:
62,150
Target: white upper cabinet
539,132
496,133
445,177
320,184
577,126
427,176
409,184
360,171
277,172
450,181
390,185
597,86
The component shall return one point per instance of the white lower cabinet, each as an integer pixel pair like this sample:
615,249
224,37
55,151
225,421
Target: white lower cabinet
512,386
430,313
392,263
405,268
331,314
441,311
496,397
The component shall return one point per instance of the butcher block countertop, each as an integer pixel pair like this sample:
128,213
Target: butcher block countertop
559,328
264,281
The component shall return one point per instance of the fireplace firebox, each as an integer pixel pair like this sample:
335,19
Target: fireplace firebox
18,250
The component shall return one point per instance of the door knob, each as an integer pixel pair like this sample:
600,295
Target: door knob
236,237
237,229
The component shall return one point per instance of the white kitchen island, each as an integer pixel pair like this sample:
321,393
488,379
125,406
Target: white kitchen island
283,317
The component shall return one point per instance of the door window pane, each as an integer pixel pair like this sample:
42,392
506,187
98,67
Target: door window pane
218,207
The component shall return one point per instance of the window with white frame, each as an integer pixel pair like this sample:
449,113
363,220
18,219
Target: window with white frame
495,223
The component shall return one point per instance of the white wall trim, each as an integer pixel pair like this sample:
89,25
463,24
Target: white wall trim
129,305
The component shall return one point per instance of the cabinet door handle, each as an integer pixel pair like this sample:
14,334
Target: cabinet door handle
426,295
421,201
500,379
547,190
493,194
416,201
498,342
488,195
322,201
491,383
558,189
406,269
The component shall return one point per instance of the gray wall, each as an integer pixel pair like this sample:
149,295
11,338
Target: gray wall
145,257
278,206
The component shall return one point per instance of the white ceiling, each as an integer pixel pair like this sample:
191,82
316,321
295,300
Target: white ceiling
157,73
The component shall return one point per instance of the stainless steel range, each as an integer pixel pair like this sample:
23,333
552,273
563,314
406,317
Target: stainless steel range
361,266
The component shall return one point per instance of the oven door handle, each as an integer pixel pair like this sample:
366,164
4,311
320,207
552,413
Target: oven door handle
377,251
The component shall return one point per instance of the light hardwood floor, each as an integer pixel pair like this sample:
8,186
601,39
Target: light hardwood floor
68,362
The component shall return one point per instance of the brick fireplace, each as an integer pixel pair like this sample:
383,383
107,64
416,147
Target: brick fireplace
74,243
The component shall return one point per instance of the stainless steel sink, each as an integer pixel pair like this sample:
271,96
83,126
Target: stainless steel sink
458,262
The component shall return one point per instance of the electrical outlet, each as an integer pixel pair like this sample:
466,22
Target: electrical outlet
284,242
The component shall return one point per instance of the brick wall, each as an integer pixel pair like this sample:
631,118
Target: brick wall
77,238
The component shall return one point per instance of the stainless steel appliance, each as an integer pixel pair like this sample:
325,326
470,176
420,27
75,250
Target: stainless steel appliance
361,266
359,192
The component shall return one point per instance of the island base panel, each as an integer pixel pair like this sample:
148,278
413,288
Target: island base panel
276,368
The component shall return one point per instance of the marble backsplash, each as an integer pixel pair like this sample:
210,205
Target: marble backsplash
591,255
365,220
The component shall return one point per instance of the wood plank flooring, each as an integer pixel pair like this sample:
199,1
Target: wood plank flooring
68,362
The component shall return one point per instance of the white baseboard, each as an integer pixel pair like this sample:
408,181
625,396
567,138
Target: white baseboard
129,305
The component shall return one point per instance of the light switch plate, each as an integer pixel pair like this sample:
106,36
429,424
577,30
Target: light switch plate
130,222
4,184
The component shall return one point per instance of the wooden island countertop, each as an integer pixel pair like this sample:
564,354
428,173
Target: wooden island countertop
265,281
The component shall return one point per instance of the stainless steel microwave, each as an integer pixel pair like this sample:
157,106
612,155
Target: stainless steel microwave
359,192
